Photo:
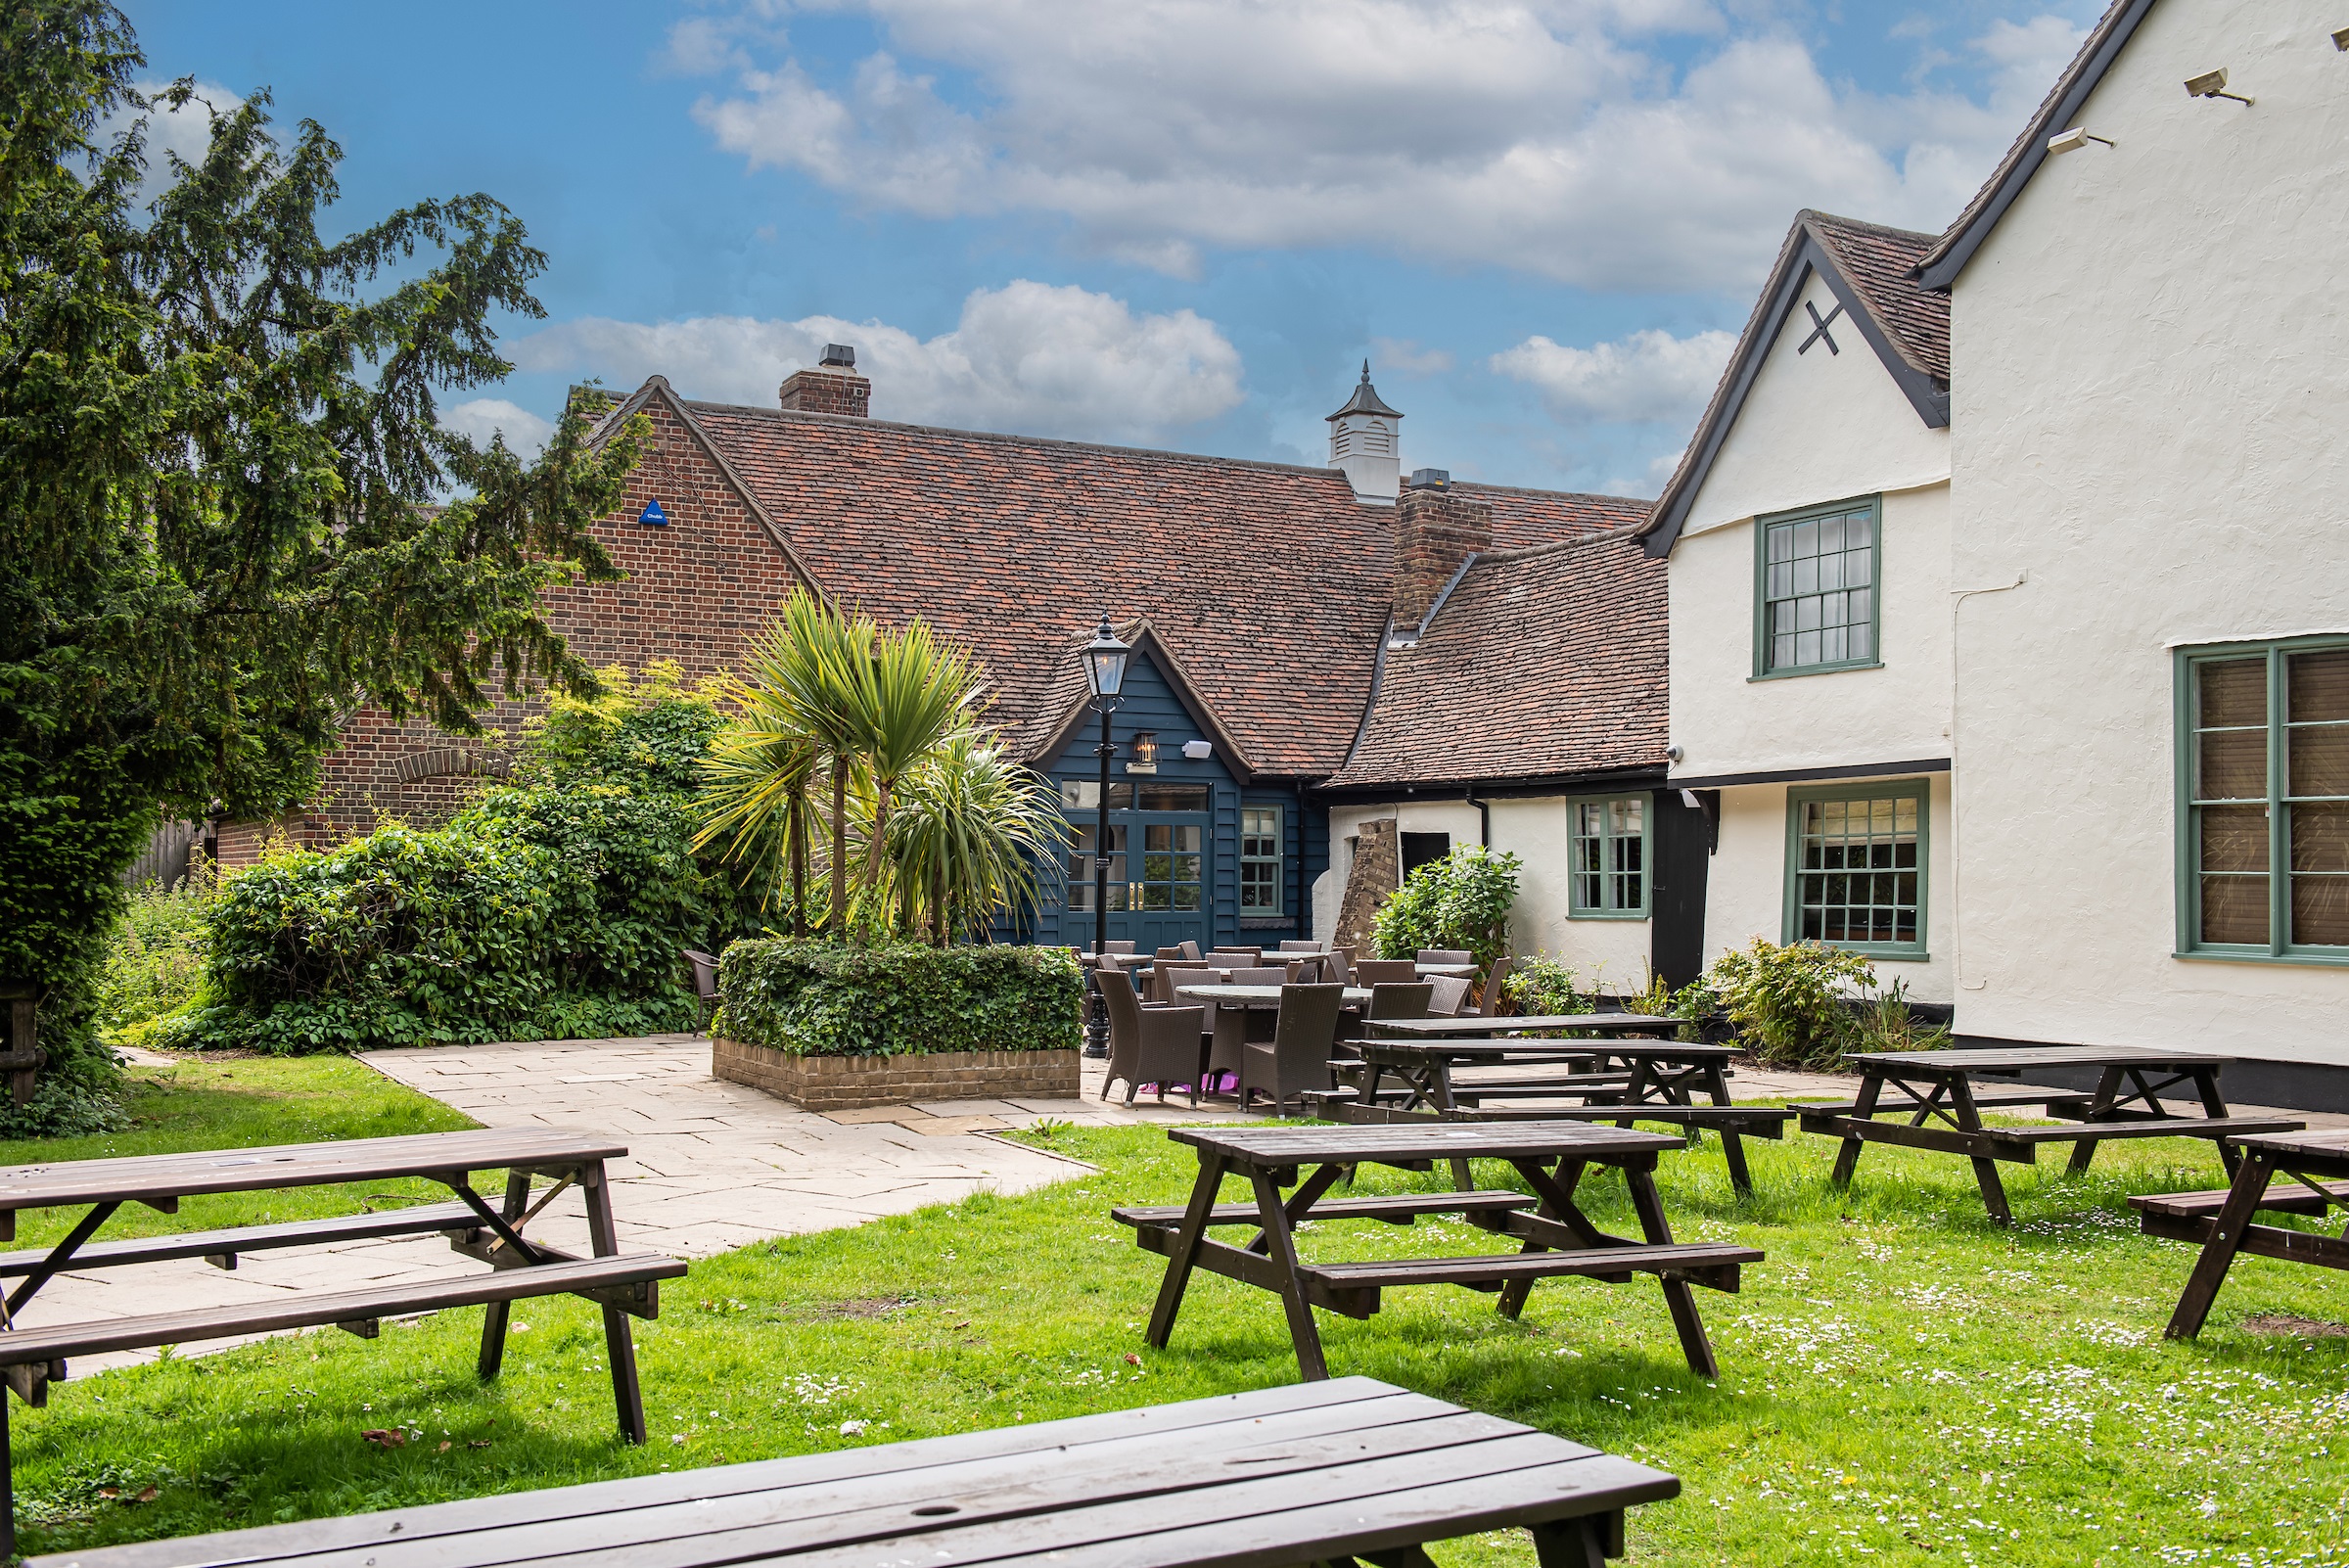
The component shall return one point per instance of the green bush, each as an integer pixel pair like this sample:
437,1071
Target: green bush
1541,985
554,910
810,999
154,954
1460,901
1790,1002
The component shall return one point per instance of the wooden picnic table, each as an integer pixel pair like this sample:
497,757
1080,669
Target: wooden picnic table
1619,1079
1477,1025
31,1359
2317,1167
1937,1087
1558,1238
1329,1473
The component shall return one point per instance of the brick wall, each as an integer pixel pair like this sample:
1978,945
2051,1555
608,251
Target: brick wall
826,390
1436,528
693,590
848,1083
1377,872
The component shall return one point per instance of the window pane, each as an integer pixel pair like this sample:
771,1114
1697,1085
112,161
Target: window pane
1166,797
2319,758
2235,691
1186,868
2235,765
1156,895
1186,895
2321,911
2235,909
1156,836
2318,685
2320,838
2234,838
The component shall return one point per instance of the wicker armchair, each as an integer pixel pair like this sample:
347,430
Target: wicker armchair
1297,1058
1158,1045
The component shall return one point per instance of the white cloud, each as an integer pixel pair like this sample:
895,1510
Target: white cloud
1406,355
1027,357
186,131
1646,378
1545,135
484,417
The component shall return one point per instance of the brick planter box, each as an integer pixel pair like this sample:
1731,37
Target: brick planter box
848,1083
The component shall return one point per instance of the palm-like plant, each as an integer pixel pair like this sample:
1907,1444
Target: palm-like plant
760,792
970,831
902,701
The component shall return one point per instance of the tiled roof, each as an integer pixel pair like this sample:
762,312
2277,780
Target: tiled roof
1907,325
1543,662
1879,261
1266,581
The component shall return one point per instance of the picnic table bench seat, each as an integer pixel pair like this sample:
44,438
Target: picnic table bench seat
221,1248
31,1359
1395,1209
1753,1121
1986,1099
1338,1471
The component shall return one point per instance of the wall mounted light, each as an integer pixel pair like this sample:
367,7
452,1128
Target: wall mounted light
1145,752
2212,84
2071,140
2340,40
1198,750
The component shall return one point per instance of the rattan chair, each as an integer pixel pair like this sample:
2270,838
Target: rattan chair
1263,975
1116,947
1495,984
1302,947
1385,972
1252,954
1168,972
1447,995
1442,956
1157,1045
1297,1058
1337,965
1401,1002
1190,949
1171,952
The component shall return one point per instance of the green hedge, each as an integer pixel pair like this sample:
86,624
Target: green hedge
812,998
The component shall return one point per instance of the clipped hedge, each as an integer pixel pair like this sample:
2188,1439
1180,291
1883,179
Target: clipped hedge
807,998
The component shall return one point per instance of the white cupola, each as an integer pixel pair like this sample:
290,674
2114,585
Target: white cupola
1365,440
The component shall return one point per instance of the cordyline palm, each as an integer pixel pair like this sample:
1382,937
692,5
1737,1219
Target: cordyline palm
904,699
796,676
761,792
971,830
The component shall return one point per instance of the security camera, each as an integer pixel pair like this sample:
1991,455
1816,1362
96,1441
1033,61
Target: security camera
2212,84
2071,140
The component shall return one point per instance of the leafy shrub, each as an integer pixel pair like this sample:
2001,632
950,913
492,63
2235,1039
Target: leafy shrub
812,998
1886,1022
555,910
1541,985
154,954
1789,1003
1460,901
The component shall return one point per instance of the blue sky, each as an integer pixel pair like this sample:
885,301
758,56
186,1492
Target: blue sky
1168,222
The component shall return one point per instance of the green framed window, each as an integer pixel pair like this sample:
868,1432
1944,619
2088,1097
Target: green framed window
1816,579
1855,866
1263,829
1607,858
2263,800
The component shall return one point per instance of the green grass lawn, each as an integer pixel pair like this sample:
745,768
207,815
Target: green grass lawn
1901,1382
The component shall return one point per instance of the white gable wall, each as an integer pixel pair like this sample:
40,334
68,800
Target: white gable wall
2153,381
1817,426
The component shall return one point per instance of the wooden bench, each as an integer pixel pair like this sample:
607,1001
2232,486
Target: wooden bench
1346,1470
1755,1121
31,1358
1558,1238
2314,1167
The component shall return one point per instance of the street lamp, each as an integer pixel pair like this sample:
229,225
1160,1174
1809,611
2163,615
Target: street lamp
1104,660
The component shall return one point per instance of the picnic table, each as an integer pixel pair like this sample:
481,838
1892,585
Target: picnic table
1622,1081
1937,1087
2222,1221
1558,1238
1332,1472
31,1359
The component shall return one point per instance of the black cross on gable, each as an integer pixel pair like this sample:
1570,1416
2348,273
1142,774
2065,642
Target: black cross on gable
1818,328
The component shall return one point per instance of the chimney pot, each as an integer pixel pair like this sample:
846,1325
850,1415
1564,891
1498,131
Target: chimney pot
1431,479
1436,529
839,354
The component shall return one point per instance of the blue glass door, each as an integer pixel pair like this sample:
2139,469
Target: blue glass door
1160,866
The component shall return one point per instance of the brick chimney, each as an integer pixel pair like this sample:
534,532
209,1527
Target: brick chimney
1436,528
833,387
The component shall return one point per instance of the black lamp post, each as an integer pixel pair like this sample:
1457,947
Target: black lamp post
1104,661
